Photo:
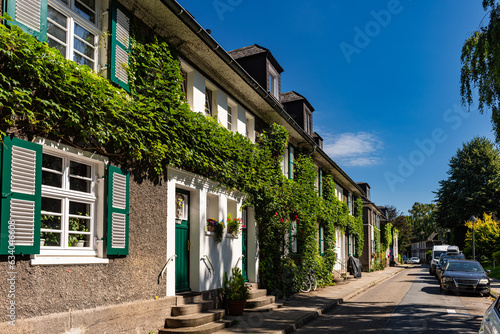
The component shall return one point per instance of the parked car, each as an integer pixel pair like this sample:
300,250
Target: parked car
465,276
415,260
491,319
443,260
436,252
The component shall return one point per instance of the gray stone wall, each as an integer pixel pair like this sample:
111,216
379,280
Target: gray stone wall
42,290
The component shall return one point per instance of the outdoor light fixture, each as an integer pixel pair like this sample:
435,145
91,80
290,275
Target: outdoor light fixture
473,220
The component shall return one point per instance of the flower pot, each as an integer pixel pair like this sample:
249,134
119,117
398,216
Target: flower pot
80,243
42,242
236,307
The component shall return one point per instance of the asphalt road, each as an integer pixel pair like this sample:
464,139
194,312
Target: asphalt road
410,302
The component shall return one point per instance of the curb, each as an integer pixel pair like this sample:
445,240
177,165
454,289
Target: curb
320,311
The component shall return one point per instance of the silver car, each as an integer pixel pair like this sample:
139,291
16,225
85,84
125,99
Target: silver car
491,319
415,260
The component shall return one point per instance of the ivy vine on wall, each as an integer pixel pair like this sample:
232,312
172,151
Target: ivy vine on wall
44,94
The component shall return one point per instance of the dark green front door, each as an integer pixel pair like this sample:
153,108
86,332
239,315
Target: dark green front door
244,253
182,241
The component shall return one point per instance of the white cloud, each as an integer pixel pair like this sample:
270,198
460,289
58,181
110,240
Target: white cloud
354,149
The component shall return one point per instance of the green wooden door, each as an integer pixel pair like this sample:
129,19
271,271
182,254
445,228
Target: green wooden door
244,252
182,241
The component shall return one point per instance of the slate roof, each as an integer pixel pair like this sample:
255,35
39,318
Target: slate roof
252,50
294,96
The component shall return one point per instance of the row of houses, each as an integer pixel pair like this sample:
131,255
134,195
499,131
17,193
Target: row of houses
98,251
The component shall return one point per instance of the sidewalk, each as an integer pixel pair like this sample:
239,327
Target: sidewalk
306,306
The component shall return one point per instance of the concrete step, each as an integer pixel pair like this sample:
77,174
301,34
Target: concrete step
196,307
265,308
349,276
196,319
256,293
252,285
259,302
209,328
188,298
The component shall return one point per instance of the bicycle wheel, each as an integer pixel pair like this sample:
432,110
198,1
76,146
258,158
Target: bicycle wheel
314,283
306,286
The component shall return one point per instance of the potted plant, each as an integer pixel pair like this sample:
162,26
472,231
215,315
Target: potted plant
80,225
211,224
233,225
219,231
235,291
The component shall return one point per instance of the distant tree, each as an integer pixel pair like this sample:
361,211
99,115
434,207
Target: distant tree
486,233
400,223
481,66
424,220
472,186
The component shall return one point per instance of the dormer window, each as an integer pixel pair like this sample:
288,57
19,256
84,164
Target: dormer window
273,82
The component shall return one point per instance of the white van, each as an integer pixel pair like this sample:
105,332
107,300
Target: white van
436,253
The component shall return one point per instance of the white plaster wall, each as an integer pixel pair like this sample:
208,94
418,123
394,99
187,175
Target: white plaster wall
222,108
198,93
242,121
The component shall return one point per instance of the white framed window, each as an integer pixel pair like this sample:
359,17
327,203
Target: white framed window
68,206
273,84
209,102
73,29
230,118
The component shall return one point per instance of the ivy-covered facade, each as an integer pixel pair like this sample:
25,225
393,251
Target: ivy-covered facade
127,132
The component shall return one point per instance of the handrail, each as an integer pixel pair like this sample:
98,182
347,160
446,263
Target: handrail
205,259
240,258
342,266
166,264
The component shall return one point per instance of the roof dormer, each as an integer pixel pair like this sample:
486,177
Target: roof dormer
262,66
299,109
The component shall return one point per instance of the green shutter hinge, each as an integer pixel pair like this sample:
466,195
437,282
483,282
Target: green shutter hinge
5,195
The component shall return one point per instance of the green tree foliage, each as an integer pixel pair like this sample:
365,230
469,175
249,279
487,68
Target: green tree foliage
472,186
424,220
481,66
486,233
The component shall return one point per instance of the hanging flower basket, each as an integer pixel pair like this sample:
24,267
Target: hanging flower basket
216,227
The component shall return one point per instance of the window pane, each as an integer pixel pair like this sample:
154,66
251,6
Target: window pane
76,168
53,44
82,60
51,238
51,205
79,184
51,179
56,31
84,34
84,11
51,222
52,162
56,16
79,209
79,224
84,48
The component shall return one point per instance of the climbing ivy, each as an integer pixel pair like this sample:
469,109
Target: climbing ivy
152,127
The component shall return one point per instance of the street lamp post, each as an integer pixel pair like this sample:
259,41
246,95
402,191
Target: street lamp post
473,220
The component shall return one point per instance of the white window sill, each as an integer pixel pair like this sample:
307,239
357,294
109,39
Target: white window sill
209,233
231,236
66,260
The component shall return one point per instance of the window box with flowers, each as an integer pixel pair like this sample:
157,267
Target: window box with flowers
233,227
216,229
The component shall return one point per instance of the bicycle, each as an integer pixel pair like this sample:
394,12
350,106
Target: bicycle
310,282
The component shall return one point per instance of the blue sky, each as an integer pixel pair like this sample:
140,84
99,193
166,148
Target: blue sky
383,77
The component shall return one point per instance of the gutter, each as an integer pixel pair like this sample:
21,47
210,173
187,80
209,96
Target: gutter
188,19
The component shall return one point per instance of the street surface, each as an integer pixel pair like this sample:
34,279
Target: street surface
410,302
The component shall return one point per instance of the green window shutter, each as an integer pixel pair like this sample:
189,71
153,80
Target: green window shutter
21,197
118,213
291,160
293,237
120,45
321,241
30,16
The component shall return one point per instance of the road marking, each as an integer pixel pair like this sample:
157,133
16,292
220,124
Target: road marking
452,311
